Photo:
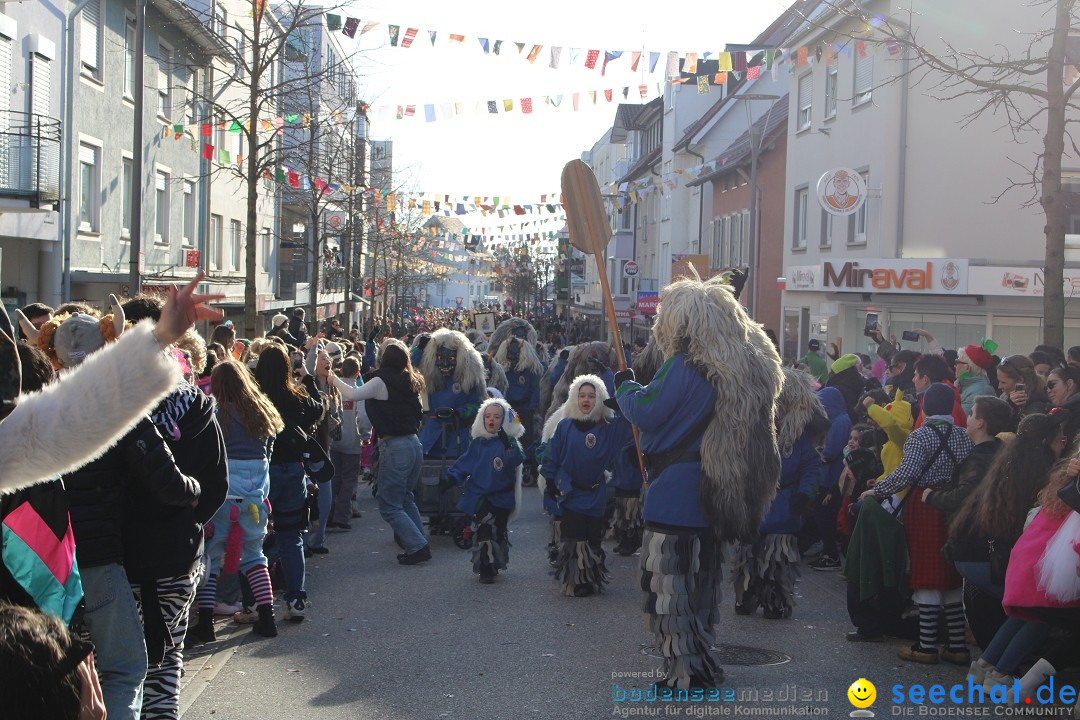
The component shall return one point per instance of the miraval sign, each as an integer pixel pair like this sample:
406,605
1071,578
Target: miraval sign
935,276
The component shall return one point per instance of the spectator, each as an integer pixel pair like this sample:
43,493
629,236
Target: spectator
297,328
1021,388
38,314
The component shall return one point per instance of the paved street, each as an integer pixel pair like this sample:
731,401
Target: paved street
384,641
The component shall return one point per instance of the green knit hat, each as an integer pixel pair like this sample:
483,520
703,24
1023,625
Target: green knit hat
844,362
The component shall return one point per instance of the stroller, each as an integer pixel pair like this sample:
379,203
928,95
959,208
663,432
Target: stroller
440,506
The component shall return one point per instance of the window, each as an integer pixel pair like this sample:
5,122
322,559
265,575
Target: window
235,242
129,57
164,80
189,213
735,231
90,40
830,86
331,61
267,250
214,249
857,223
161,207
40,85
802,198
864,77
190,88
125,199
806,96
828,226
89,187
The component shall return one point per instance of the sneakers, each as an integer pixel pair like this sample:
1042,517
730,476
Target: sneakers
915,653
224,609
421,555
814,550
246,616
860,636
825,563
956,656
294,610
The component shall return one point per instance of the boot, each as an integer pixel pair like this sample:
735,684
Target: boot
265,625
204,629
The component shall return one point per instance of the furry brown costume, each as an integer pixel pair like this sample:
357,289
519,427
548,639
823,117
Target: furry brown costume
506,329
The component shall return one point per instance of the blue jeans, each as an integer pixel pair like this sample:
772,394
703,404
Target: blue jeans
326,501
978,574
253,527
400,459
112,619
1013,642
288,491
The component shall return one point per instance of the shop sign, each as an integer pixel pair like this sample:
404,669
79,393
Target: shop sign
841,191
932,276
627,314
803,277
647,302
1017,281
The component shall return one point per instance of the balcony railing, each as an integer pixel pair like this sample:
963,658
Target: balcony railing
30,157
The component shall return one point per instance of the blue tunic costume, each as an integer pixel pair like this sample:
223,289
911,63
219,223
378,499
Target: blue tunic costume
488,472
677,400
465,405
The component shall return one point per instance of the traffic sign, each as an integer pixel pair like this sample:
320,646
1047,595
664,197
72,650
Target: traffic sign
630,269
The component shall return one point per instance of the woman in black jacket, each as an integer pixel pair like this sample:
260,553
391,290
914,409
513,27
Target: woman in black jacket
301,409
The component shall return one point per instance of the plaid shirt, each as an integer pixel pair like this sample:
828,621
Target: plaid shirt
920,447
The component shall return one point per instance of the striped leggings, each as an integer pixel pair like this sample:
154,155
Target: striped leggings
163,606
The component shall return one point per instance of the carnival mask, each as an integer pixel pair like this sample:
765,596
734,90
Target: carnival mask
521,331
446,360
513,352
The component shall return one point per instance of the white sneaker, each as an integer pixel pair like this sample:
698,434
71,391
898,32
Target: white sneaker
246,616
294,610
224,609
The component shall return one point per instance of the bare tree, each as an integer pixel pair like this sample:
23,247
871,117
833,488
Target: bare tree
1029,88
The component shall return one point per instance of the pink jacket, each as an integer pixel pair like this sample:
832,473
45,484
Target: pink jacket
1021,587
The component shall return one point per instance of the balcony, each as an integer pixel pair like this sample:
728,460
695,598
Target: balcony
29,159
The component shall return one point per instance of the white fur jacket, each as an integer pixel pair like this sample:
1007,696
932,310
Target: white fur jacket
77,419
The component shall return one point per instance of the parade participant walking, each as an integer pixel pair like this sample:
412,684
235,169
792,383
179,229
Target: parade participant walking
766,569
454,375
249,422
706,423
392,401
300,410
579,453
523,372
490,471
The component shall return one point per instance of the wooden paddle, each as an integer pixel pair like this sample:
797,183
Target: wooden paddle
590,232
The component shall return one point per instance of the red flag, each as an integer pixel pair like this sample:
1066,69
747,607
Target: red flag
526,105
607,95
860,47
591,58
207,129
410,35
294,179
207,151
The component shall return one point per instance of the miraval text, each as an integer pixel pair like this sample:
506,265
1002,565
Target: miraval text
852,276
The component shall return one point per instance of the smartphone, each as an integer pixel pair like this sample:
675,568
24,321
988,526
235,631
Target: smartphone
1020,387
871,324
910,335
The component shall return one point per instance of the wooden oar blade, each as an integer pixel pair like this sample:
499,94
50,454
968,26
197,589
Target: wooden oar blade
585,215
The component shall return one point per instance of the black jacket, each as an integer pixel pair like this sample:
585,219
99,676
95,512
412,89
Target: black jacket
99,492
298,331
162,540
285,335
970,473
297,413
850,384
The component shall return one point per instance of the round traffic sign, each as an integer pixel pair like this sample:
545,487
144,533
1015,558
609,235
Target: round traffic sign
630,269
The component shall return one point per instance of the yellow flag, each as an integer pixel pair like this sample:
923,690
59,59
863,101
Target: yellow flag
725,62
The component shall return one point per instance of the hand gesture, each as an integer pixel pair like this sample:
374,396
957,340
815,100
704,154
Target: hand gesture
183,308
1018,398
1073,468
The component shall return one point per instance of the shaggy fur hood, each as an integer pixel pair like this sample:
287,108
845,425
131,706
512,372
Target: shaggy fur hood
478,339
648,362
506,329
798,409
599,412
580,363
528,360
511,422
498,375
469,372
740,461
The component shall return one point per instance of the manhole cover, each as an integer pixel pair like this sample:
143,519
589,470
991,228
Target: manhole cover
735,655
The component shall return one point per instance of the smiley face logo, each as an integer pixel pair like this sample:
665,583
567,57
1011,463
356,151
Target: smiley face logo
862,693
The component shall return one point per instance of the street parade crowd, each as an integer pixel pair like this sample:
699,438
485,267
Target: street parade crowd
153,476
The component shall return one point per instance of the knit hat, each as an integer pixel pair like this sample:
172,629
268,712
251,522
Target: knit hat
815,345
977,355
938,400
844,362
278,320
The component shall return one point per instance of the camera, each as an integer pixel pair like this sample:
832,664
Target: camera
1020,387
871,324
910,335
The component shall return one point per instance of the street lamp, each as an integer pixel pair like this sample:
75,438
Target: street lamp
756,137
